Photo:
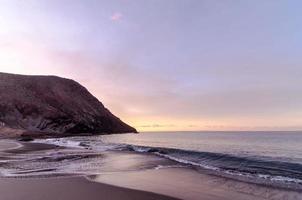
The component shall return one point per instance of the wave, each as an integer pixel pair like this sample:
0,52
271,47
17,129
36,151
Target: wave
219,163
71,157
275,171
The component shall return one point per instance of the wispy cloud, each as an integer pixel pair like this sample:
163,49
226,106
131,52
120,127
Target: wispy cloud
116,16
156,125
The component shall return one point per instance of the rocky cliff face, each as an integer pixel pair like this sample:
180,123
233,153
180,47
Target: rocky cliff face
52,104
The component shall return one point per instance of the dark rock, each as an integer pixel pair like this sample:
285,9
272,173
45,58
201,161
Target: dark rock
26,139
51,104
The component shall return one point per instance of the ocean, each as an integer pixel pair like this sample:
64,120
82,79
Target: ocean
269,158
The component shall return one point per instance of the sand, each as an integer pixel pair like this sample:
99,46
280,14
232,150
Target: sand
25,147
188,184
77,188
7,145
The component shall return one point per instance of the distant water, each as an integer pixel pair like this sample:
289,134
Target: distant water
265,157
279,146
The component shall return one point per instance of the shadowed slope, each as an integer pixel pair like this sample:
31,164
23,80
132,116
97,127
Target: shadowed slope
54,105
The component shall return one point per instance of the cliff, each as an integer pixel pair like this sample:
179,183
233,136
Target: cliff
50,104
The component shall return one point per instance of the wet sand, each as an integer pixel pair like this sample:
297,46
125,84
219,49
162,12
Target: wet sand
24,147
191,185
76,188
7,145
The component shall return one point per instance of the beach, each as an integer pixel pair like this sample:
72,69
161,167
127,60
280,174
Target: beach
62,188
116,175
76,188
150,100
187,184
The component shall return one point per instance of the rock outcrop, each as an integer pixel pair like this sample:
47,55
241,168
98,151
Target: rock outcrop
50,104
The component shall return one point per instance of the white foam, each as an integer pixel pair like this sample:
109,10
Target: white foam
72,143
140,149
187,162
286,179
168,166
60,142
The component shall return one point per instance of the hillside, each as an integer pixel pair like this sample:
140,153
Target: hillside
51,104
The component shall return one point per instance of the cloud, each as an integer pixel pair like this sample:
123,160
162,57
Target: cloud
156,125
116,16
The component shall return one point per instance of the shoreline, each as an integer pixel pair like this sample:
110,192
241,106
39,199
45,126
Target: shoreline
25,147
6,145
156,183
62,187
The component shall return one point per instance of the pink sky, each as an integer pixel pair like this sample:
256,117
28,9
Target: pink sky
182,65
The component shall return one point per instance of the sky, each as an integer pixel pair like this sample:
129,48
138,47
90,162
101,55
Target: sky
167,65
